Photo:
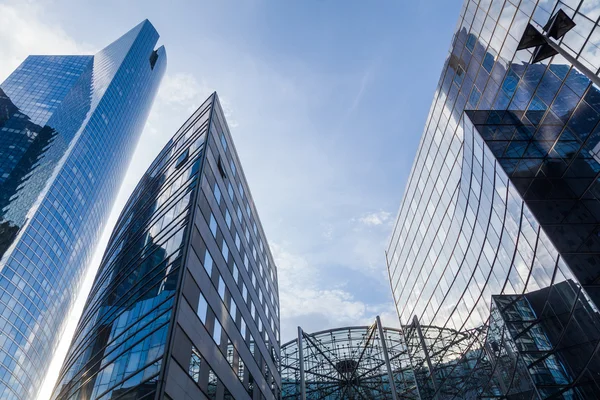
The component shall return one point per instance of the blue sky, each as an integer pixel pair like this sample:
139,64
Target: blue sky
326,101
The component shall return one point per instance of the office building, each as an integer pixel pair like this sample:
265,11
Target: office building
68,126
497,233
185,303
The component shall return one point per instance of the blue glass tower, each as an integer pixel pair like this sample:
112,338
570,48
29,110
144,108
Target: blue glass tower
68,126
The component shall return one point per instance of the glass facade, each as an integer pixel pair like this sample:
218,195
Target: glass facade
497,233
68,125
185,303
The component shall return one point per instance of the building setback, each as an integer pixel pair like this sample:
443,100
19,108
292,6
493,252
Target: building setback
497,233
68,126
185,304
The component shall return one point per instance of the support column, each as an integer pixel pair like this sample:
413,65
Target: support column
301,362
426,353
386,357
577,64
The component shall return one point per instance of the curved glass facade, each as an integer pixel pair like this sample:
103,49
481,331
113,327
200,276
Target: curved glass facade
497,231
185,302
68,126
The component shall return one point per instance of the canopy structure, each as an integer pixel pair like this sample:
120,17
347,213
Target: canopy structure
348,363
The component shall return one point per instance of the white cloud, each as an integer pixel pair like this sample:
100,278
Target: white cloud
182,89
375,218
307,300
24,30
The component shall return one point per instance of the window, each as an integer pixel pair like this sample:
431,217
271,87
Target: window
224,141
241,368
213,225
195,363
474,98
252,346
208,263
225,251
202,308
221,289
233,310
217,331
236,274
460,73
212,385
232,165
182,159
488,62
221,168
471,40
244,292
230,350
217,193
243,329
230,191
238,242
228,219
252,309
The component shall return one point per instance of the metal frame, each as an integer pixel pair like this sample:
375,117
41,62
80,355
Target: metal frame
359,362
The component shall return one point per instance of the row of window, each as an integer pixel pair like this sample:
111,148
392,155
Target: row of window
236,250
258,239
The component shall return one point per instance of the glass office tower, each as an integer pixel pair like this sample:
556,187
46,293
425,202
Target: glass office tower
68,126
497,233
185,303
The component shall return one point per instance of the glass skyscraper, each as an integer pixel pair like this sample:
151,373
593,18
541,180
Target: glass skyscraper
68,126
497,237
185,304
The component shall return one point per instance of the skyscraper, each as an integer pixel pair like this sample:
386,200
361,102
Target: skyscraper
497,233
185,304
68,126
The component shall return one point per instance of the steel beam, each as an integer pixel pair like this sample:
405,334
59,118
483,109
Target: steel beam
386,357
301,362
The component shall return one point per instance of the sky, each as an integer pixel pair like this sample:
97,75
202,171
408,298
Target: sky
326,101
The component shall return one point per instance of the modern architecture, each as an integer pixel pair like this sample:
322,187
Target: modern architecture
185,304
497,237
68,126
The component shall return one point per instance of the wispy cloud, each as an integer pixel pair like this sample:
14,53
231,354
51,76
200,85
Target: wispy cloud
309,300
24,30
375,218
182,90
